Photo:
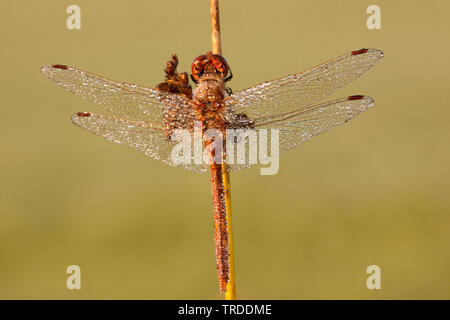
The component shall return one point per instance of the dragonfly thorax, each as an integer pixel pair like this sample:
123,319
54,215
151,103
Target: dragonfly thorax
210,90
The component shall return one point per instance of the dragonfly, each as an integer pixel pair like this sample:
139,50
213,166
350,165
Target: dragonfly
146,118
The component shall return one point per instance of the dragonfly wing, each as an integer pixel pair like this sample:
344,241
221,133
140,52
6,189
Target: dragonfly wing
140,135
302,89
121,98
298,127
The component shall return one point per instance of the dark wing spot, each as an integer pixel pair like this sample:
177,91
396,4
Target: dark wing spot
83,114
358,97
360,51
60,66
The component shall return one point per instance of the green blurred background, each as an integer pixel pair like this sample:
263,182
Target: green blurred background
374,191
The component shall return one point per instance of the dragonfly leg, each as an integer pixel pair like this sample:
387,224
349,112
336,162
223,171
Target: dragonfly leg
175,82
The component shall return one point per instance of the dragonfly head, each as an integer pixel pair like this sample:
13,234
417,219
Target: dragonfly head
208,64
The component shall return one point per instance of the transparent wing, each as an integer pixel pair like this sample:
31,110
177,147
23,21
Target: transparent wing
302,89
124,99
299,126
140,135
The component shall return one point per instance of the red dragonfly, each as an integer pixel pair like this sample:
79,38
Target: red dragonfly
145,118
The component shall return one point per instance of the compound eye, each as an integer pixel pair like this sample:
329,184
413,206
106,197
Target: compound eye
197,67
221,65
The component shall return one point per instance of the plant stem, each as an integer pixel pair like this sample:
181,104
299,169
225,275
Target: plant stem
215,27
